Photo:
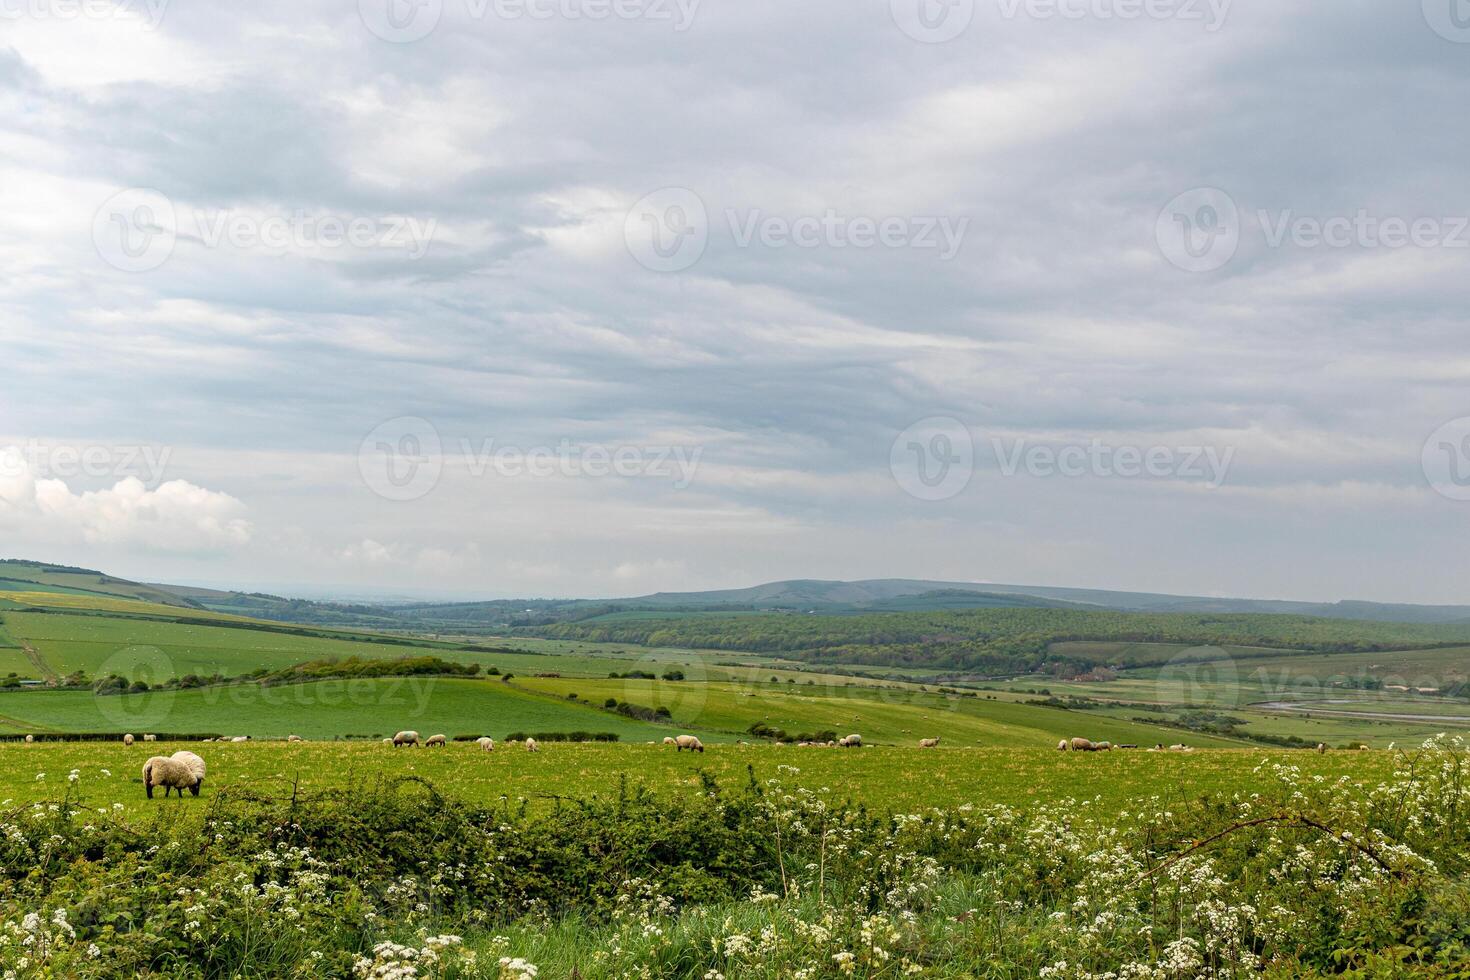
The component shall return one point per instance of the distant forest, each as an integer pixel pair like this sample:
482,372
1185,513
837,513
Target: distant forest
998,640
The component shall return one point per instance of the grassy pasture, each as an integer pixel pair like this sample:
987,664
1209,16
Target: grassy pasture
900,779
322,709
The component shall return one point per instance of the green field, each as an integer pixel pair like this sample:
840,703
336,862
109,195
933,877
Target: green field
888,779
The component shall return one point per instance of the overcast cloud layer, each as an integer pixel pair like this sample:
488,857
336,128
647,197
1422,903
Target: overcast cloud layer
583,297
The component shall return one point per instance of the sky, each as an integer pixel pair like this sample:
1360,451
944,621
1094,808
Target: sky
606,297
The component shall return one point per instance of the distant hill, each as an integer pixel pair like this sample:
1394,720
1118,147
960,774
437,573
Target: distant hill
873,593
831,597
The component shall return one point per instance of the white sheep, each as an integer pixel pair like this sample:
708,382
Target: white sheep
433,740
406,738
532,745
668,740
128,739
293,738
690,742
240,738
486,743
30,739
1064,745
1321,748
184,770
1083,745
928,743
388,741
150,738
851,742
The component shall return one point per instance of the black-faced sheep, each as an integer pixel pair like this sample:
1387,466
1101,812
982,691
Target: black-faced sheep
851,742
689,742
406,738
438,740
181,771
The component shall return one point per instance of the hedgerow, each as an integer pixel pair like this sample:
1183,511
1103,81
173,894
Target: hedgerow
1303,876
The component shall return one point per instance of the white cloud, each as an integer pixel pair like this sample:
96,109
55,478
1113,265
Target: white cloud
176,517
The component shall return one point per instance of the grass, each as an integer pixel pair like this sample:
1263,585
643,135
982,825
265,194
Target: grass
323,709
897,779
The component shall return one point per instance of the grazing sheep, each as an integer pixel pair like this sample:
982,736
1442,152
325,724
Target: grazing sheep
433,740
30,739
668,740
195,764
173,774
1083,745
1321,748
851,742
1063,745
406,738
1103,747
928,743
388,741
689,742
293,738
532,745
128,739
486,743
240,738
150,738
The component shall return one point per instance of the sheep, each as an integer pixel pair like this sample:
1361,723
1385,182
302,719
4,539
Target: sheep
433,740
928,743
183,770
1063,745
293,738
128,739
195,764
486,743
30,739
406,738
1321,748
1103,747
690,742
240,738
668,740
851,742
150,738
532,745
1083,745
388,741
